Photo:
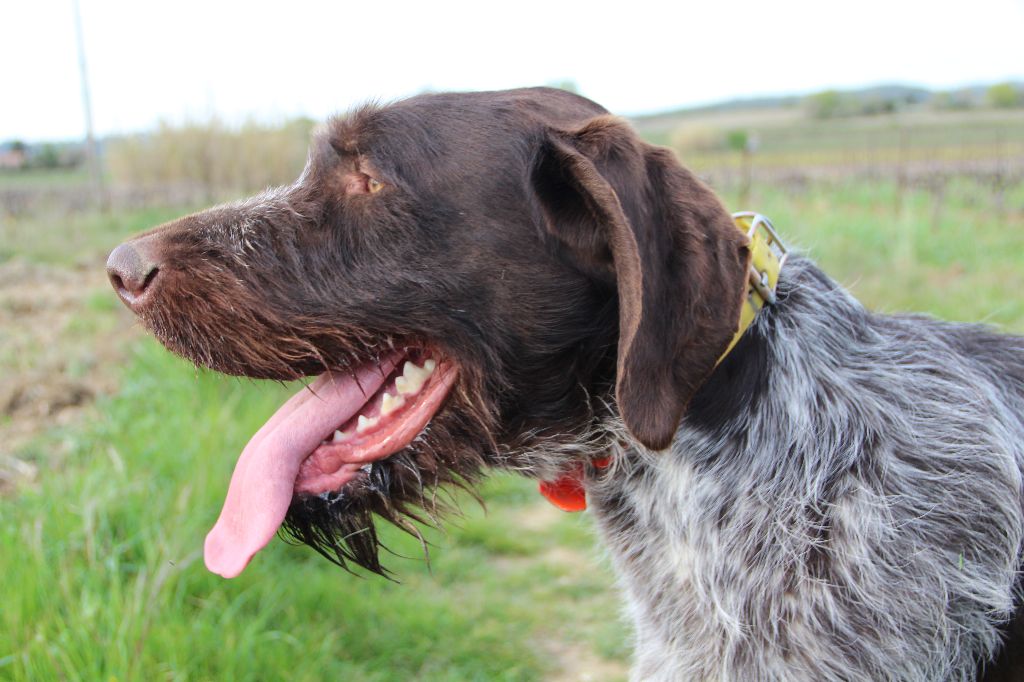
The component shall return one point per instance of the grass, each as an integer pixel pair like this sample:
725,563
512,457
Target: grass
44,177
65,238
100,555
962,262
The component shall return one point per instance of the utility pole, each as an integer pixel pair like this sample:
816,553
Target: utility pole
92,158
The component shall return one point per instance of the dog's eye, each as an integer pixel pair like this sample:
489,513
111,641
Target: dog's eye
374,185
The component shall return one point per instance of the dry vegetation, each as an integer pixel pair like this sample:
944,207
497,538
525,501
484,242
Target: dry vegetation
209,160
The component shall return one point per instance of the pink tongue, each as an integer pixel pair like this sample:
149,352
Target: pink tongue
264,478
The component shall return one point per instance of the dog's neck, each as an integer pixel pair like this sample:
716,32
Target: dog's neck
669,518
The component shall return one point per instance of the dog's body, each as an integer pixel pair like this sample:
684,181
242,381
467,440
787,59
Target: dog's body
875,536
839,499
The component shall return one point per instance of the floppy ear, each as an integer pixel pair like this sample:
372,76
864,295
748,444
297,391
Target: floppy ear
628,212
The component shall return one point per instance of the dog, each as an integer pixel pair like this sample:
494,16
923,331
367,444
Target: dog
514,280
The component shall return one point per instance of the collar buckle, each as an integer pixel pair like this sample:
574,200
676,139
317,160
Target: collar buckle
769,253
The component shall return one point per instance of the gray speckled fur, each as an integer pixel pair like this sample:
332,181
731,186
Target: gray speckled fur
863,521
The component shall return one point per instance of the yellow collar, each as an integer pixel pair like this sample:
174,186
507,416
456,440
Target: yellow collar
767,255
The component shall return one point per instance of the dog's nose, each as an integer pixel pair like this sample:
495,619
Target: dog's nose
132,273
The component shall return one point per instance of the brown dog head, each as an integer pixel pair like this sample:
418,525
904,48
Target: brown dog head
482,279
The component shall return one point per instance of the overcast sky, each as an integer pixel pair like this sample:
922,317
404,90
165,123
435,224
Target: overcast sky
190,58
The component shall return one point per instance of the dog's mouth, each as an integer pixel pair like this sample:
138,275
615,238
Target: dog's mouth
324,437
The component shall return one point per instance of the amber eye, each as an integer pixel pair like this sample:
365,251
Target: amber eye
374,185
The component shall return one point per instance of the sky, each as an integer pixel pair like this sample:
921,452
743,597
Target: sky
190,59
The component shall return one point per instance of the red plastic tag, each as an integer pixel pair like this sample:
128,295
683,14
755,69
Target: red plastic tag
567,492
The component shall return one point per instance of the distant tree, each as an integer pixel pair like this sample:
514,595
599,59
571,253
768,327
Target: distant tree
568,85
17,146
825,104
1004,96
48,156
951,99
738,140
878,105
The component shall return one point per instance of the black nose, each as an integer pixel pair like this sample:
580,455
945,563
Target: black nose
131,273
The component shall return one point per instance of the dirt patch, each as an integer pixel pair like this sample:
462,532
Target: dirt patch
60,344
539,516
577,663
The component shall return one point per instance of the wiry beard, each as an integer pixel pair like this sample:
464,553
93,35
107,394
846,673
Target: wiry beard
413,486
407,488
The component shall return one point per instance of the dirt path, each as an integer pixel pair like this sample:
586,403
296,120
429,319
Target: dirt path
61,338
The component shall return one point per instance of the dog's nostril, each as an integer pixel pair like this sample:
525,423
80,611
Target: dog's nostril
150,276
130,273
118,283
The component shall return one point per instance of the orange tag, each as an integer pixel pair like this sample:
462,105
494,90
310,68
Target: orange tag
567,492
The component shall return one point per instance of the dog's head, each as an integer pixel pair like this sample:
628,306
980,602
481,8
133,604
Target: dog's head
479,280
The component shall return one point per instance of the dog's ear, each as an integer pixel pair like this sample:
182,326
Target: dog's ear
626,211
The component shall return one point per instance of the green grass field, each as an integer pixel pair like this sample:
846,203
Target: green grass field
100,549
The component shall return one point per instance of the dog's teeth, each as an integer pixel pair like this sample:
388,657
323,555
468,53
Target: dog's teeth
391,403
339,436
365,423
413,377
366,468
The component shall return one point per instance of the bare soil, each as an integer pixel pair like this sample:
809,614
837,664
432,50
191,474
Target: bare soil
579,664
60,344
576,662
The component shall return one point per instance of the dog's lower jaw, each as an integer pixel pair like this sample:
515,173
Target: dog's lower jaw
853,541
